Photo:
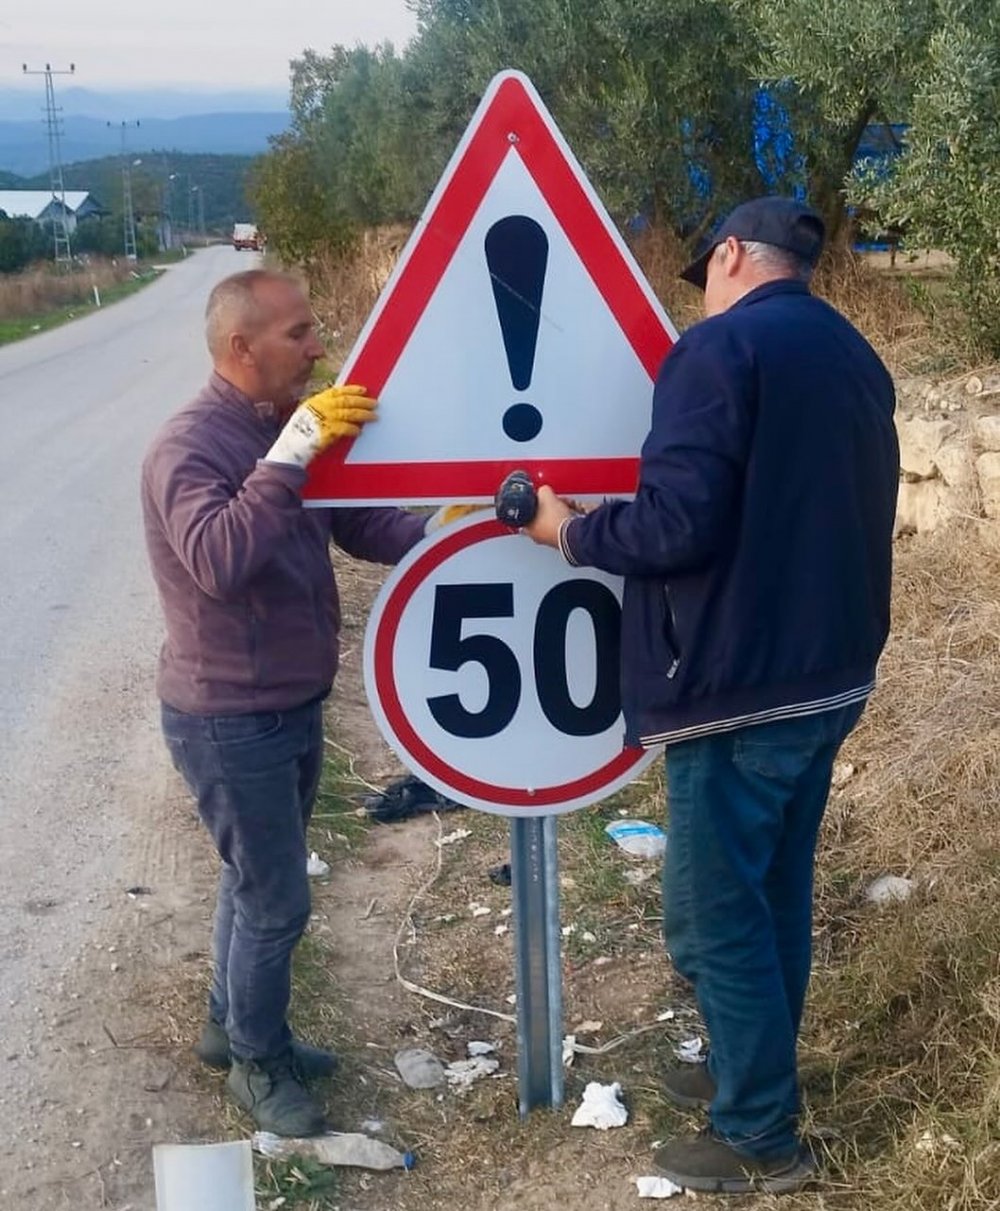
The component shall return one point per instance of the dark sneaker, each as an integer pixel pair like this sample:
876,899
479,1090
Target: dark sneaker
705,1162
213,1050
690,1086
273,1093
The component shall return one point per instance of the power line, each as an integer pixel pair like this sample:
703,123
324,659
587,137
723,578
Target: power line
53,126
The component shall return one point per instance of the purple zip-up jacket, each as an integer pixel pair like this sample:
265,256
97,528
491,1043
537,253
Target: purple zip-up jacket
243,570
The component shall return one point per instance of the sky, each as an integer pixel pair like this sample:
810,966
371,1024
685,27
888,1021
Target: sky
200,44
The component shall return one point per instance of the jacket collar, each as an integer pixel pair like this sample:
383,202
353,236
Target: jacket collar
225,392
767,289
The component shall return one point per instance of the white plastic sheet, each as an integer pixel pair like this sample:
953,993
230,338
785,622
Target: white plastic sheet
209,1177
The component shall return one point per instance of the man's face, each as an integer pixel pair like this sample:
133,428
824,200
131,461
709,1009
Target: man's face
283,346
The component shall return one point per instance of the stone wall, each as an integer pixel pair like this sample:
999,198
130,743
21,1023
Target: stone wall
949,446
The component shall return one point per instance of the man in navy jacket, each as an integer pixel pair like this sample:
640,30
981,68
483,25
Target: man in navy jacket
757,565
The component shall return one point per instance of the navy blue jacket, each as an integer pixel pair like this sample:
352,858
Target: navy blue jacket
757,553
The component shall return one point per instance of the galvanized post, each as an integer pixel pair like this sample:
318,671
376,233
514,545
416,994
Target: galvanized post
535,886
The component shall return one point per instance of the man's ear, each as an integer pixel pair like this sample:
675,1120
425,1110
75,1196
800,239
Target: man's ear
240,349
733,257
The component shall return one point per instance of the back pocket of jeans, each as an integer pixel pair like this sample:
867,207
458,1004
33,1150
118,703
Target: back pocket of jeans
780,752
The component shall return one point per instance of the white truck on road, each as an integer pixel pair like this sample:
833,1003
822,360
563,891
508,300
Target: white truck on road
246,235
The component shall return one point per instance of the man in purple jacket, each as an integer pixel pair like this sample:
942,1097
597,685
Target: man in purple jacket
252,618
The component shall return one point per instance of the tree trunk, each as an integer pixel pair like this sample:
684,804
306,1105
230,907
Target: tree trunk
829,193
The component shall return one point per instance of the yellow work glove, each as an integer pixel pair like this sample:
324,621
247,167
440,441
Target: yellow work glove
447,514
321,420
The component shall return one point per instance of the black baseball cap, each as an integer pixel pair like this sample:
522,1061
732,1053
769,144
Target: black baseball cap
782,222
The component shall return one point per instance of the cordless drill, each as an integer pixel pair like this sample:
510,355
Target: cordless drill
516,501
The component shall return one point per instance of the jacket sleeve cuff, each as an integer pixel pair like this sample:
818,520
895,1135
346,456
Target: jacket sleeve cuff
564,545
291,476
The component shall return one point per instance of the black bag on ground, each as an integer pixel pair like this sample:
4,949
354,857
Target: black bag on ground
406,797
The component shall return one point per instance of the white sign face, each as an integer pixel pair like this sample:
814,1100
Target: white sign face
591,392
492,668
516,331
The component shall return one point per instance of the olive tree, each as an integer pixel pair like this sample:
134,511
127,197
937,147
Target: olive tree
945,189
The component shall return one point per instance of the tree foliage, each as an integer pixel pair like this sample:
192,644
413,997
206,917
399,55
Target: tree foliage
663,102
22,241
945,191
849,62
298,214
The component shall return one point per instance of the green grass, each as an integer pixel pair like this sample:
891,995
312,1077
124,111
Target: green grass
300,1182
169,256
28,325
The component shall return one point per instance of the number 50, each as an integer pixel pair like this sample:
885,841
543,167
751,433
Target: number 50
449,650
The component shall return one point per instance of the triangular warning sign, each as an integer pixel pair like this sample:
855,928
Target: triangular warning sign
516,331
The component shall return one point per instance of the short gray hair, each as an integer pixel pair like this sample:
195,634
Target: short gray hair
778,261
234,305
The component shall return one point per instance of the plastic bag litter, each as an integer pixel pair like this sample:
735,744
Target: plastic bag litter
601,1107
657,1187
689,1051
407,797
420,1069
462,1073
639,838
889,889
316,867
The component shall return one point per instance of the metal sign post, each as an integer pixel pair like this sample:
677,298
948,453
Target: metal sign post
534,866
491,667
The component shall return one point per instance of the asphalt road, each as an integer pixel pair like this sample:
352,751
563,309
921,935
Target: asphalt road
80,630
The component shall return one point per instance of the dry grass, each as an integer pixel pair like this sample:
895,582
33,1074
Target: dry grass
906,1009
43,289
344,289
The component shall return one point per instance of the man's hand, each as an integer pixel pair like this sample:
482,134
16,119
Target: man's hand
552,512
321,420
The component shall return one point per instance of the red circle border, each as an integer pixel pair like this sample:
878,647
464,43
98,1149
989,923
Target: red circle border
385,687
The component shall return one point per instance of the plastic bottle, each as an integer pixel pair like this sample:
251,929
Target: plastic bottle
335,1148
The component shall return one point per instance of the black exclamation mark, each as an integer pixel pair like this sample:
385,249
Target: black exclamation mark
517,251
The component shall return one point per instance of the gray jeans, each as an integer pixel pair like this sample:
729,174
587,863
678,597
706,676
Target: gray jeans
255,779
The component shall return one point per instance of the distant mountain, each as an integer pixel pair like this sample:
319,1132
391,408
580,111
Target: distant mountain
24,150
25,103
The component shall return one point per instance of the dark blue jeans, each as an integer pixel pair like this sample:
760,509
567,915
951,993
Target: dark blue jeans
255,778
744,812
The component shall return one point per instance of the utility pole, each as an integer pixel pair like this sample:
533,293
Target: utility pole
53,126
128,215
201,212
166,219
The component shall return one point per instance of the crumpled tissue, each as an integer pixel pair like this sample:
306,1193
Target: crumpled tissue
601,1107
657,1187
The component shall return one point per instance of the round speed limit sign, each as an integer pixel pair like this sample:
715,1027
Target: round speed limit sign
491,668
